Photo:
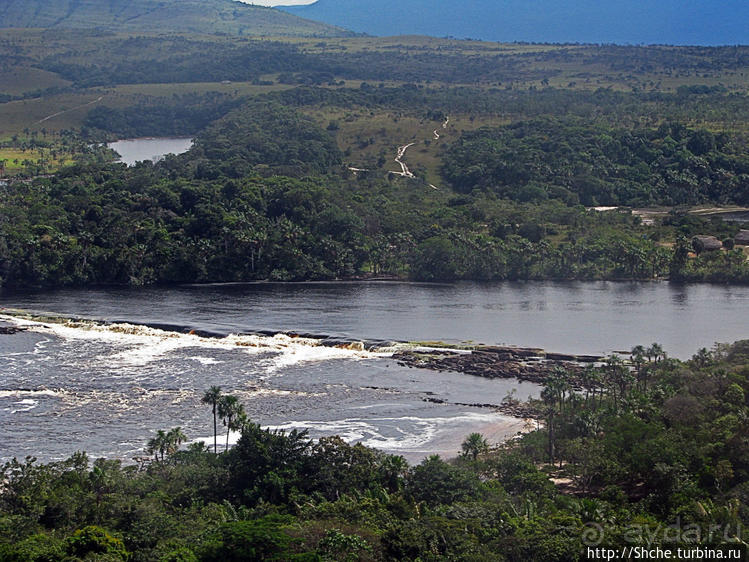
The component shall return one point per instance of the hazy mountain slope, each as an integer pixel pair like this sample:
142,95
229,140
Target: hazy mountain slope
198,16
680,22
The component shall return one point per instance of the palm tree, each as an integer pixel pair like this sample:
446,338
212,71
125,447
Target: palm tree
474,445
152,447
656,350
559,385
638,359
230,410
548,395
174,438
157,445
393,469
212,397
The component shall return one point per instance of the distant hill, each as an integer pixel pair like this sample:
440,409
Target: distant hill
193,16
675,22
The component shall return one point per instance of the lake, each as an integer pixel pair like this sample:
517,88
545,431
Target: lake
106,389
137,150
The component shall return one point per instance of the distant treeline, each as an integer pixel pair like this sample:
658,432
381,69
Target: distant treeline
177,115
183,59
614,108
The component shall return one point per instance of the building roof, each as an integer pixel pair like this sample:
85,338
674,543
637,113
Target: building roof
742,238
706,243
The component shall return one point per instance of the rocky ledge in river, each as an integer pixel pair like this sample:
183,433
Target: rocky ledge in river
513,408
525,364
6,329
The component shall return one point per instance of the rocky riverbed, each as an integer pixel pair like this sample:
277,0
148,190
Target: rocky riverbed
525,364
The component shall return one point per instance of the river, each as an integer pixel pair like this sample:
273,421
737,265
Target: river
106,389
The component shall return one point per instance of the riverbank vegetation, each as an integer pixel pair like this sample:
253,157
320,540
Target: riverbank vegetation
648,452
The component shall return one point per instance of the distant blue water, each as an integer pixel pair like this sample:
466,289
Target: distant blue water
674,22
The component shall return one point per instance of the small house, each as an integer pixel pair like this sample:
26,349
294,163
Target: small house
702,243
742,238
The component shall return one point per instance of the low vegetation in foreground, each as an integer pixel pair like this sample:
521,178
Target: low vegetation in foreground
648,452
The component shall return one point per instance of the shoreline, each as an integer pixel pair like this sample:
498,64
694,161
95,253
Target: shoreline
448,446
12,291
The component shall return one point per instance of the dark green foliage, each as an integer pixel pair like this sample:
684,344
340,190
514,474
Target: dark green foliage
267,134
269,465
602,165
435,482
36,548
250,541
438,258
264,195
95,540
435,538
180,555
179,115
336,545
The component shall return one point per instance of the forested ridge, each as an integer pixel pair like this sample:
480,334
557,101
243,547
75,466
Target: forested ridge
671,165
648,452
206,16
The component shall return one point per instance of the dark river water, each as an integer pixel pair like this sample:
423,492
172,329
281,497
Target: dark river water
106,389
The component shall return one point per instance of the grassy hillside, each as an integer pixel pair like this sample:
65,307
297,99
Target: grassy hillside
49,71
194,16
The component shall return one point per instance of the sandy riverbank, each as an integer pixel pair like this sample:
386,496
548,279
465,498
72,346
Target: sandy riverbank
446,443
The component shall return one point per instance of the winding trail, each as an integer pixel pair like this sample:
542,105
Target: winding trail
405,172
48,117
356,170
444,126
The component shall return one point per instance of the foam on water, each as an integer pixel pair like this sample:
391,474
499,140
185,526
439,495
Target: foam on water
258,392
25,405
205,360
19,393
407,433
106,387
139,345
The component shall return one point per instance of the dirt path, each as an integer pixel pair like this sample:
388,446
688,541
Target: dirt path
48,117
401,153
356,170
444,126
405,172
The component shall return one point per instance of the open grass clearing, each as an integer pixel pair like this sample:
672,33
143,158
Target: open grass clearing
18,80
62,111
